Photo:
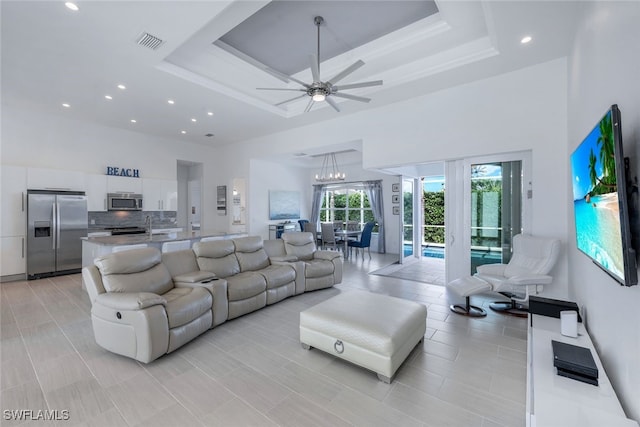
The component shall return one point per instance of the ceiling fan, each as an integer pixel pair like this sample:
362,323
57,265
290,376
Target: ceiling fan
319,90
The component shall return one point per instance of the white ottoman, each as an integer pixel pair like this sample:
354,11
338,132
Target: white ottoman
465,287
374,331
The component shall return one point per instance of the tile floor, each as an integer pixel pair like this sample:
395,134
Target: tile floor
253,371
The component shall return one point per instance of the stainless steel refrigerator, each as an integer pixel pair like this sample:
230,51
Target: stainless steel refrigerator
56,222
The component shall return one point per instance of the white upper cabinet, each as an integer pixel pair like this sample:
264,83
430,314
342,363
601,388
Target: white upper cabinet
54,179
160,194
124,184
96,189
14,201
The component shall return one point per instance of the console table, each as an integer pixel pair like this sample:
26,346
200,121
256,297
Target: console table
553,400
276,230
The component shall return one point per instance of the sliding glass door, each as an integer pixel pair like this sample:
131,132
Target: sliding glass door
409,218
486,204
496,211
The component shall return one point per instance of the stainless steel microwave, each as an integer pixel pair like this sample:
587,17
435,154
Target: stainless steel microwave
124,202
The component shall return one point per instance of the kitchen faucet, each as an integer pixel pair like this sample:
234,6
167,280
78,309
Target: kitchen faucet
147,222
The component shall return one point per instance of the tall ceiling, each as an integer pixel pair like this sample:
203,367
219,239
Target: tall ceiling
52,55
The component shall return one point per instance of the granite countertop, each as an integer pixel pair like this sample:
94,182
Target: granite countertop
132,239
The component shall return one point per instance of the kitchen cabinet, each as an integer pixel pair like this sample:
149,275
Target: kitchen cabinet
124,184
12,255
96,190
54,179
160,194
14,202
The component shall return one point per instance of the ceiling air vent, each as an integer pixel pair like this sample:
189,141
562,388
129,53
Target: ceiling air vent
147,40
208,135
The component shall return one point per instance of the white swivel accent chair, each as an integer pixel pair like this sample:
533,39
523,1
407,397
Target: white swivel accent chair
525,274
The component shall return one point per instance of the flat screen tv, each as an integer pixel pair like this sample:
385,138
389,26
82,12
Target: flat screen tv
600,200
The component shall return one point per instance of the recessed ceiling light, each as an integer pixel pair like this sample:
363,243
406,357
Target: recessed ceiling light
133,121
72,6
210,113
193,120
526,39
123,87
183,132
65,105
171,101
109,97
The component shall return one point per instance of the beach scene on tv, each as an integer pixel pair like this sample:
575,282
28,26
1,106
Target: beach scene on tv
595,198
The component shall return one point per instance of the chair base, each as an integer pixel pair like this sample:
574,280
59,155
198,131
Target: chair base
468,309
509,307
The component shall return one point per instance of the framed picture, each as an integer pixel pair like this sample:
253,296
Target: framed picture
395,187
395,198
396,210
284,204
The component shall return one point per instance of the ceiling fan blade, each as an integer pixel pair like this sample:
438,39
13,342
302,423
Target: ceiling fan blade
309,105
353,97
332,103
315,68
344,73
278,88
290,100
286,78
357,85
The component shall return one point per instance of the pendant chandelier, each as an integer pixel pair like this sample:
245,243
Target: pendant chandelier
330,170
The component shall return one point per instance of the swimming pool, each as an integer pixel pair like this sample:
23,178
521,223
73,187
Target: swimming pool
478,256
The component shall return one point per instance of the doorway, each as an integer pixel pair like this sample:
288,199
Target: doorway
487,203
189,216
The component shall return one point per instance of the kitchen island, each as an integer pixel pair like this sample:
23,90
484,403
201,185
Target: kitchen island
93,247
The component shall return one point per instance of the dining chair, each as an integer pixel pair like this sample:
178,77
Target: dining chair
365,240
353,226
302,223
313,228
327,231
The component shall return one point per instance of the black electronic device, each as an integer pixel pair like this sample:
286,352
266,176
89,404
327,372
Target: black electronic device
551,307
574,362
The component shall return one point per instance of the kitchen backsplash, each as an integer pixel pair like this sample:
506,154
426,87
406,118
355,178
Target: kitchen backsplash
101,220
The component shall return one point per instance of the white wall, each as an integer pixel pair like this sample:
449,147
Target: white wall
265,176
34,139
604,69
522,110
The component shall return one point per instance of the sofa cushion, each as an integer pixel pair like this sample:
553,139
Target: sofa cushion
136,270
217,256
299,244
245,285
318,268
186,304
278,275
180,262
274,248
250,253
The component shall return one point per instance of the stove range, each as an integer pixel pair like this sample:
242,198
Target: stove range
118,231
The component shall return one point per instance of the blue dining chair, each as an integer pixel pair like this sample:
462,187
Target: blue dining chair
302,222
365,240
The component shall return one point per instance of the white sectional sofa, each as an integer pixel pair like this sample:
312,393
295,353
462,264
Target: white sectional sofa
146,304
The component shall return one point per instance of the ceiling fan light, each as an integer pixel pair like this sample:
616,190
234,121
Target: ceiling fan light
318,97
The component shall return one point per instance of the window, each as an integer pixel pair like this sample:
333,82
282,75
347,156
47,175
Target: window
348,204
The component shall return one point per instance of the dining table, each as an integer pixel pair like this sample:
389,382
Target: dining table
344,235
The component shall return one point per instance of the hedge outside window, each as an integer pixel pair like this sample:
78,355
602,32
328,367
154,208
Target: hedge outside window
346,203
